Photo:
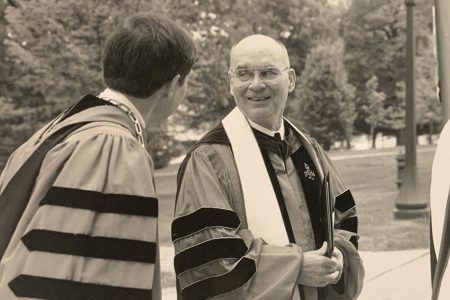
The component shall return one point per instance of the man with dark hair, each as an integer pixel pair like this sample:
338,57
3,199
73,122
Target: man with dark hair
87,223
250,214
154,54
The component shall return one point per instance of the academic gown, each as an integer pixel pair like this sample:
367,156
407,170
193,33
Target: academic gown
90,228
440,217
217,257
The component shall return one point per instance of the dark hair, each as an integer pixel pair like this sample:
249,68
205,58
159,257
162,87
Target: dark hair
145,53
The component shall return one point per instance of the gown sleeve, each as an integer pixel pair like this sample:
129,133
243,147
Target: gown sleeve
90,229
345,230
214,256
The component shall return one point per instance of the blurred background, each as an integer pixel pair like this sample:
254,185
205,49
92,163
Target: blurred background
350,60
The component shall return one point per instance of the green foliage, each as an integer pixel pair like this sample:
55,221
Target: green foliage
217,25
4,67
55,48
374,32
373,107
428,109
375,36
52,52
325,104
163,148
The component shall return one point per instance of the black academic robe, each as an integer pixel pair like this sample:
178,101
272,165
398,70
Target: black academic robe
217,256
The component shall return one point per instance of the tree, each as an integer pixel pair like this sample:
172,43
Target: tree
2,48
53,53
217,25
375,35
373,107
325,104
53,50
429,109
3,34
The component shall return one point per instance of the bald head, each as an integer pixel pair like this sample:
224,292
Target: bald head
254,44
261,79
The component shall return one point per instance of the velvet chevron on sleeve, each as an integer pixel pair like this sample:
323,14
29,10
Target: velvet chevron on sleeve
215,255
209,253
90,228
345,216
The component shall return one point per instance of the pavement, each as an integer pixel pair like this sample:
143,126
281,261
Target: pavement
390,275
397,275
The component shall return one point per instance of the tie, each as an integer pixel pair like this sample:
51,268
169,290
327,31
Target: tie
273,144
277,136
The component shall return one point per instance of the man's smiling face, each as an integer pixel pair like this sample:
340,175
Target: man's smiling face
260,79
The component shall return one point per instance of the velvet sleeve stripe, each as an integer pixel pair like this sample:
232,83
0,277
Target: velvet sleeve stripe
101,202
354,241
204,218
242,272
344,201
90,246
51,288
209,251
350,224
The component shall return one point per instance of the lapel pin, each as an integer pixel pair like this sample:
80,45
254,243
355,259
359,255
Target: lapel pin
309,173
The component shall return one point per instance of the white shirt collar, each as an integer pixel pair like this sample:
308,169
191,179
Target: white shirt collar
268,131
119,97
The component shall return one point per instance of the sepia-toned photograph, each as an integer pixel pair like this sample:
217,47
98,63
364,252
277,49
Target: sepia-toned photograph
226,150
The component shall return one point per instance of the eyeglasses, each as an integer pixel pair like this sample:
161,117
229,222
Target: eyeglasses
245,75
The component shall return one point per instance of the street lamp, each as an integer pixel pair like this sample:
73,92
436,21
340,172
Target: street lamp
407,204
442,25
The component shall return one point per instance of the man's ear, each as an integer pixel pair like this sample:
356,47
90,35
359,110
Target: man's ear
173,85
292,80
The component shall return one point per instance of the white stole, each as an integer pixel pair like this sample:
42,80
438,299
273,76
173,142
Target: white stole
263,214
261,206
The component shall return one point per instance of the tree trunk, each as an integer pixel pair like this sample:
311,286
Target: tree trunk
373,137
348,141
347,134
430,133
400,135
2,48
326,144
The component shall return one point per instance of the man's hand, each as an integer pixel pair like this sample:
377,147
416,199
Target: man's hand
319,270
339,258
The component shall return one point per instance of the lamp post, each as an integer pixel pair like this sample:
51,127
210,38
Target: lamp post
407,204
442,27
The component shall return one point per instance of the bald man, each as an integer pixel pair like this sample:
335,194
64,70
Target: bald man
248,219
